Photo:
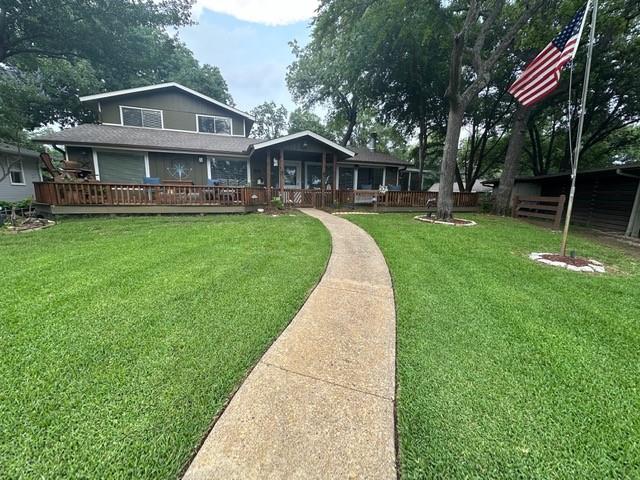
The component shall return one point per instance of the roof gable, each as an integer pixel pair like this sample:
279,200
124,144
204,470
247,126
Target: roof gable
305,133
149,88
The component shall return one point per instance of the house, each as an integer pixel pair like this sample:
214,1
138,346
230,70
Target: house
162,137
606,199
478,187
19,169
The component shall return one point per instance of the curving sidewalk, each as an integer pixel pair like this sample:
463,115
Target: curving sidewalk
320,402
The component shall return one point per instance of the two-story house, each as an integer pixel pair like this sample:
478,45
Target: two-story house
169,134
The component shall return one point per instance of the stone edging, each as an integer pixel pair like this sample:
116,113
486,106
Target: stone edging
593,267
470,223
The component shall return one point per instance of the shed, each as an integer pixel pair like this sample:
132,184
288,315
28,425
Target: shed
606,199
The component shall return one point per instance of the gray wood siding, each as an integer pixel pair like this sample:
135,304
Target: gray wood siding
15,193
179,109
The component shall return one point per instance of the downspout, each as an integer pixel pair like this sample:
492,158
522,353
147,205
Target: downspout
633,227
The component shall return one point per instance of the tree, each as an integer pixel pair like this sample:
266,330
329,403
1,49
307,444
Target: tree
482,38
329,70
105,46
271,121
77,28
301,120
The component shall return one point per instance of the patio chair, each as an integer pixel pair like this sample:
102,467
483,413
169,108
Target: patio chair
55,172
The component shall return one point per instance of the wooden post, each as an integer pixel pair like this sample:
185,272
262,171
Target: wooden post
281,174
334,179
323,176
268,180
633,227
558,218
514,210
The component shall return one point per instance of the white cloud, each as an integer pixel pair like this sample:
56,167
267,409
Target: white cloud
267,12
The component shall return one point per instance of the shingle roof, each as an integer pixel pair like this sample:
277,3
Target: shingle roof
364,155
147,138
12,149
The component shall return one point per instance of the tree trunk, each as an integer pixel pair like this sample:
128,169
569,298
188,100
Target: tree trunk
502,195
421,152
353,117
449,158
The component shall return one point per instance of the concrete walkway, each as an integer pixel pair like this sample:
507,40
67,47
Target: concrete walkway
319,404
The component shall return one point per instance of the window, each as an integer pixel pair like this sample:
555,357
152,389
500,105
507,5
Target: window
213,124
16,174
141,117
228,172
121,167
314,174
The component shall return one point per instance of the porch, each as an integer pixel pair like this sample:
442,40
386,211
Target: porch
105,198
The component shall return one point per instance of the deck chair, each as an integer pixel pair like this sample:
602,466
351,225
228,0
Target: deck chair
55,172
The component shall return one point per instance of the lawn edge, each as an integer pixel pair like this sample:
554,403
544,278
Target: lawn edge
234,391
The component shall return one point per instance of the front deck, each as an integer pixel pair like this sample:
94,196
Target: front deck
72,198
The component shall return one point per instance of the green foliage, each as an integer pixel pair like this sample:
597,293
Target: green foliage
276,202
301,119
508,368
271,121
26,203
123,338
51,53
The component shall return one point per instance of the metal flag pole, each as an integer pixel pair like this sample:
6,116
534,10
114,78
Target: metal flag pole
583,102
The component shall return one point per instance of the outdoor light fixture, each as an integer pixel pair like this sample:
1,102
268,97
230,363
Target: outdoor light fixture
305,145
200,160
275,162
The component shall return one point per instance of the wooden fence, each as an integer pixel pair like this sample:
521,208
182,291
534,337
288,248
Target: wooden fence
121,194
543,208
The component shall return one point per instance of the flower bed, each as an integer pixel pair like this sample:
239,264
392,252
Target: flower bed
455,222
575,264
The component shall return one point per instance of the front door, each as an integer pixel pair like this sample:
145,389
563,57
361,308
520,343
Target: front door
292,174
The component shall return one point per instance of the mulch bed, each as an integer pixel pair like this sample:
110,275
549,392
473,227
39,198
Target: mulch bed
576,264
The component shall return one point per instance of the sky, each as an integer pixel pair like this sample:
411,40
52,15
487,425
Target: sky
249,41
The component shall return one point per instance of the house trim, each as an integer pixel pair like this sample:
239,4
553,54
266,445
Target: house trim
158,150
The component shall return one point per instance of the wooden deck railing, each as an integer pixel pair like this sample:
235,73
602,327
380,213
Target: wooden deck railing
119,194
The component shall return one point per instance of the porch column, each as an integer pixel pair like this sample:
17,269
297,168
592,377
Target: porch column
281,173
355,177
333,179
268,179
323,176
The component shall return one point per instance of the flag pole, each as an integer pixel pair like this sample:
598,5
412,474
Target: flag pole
583,103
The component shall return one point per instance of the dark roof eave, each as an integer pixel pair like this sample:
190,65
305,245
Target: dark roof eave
151,148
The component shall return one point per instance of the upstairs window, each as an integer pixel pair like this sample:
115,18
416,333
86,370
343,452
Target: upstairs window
213,124
16,174
141,117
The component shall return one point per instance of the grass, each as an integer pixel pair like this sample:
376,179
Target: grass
121,339
508,368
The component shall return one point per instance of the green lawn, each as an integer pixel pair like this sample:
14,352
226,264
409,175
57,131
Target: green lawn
507,368
121,339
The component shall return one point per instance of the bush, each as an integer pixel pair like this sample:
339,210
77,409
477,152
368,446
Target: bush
276,202
26,203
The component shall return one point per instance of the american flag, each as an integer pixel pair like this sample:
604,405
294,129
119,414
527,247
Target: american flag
542,75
